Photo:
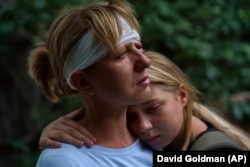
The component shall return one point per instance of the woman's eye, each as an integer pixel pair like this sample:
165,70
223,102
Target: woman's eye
121,55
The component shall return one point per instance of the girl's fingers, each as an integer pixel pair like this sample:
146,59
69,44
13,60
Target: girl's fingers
76,114
74,136
76,130
66,129
46,142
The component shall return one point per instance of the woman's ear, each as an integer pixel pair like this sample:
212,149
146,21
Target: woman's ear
78,80
183,94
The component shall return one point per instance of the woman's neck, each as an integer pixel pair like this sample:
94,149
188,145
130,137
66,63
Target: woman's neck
108,125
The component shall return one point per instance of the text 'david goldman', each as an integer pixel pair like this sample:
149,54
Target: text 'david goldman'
201,158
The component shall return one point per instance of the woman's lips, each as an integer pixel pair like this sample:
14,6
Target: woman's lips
144,81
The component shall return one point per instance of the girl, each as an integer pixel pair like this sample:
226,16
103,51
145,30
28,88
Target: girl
171,119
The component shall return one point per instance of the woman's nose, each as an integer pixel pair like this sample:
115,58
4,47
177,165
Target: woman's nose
142,60
138,45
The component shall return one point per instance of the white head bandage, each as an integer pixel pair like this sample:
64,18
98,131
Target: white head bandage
87,51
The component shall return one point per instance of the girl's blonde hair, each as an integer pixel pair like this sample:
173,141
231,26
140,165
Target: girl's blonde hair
164,71
47,60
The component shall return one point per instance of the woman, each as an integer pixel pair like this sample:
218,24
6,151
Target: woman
95,52
172,118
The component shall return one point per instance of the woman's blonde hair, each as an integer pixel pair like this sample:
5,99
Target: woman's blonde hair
47,60
164,71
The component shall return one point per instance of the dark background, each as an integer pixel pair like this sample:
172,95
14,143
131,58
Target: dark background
208,40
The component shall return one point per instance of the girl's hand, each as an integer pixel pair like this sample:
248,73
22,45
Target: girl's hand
66,129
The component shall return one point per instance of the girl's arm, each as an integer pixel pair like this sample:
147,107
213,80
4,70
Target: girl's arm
66,129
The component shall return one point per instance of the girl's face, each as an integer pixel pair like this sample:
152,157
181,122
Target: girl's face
121,78
158,121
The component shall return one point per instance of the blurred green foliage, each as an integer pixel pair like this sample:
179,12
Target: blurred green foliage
209,40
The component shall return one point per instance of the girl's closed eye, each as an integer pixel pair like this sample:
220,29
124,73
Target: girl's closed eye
153,108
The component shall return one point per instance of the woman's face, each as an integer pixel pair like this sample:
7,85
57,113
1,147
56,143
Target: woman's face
158,121
121,78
